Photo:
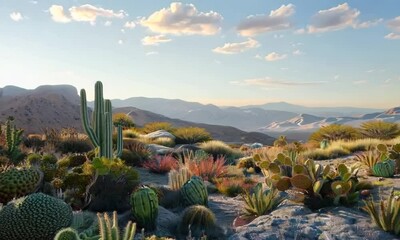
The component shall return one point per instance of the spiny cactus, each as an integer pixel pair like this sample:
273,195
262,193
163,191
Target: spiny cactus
197,219
144,202
67,234
13,137
101,130
109,228
16,183
194,192
176,178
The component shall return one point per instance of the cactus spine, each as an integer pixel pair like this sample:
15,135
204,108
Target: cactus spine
194,192
101,130
109,229
176,178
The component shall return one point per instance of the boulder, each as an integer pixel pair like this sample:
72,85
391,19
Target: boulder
159,134
159,149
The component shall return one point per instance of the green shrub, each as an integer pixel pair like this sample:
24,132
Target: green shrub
72,160
334,132
155,126
130,133
72,145
34,159
219,148
122,119
190,135
328,153
164,141
380,130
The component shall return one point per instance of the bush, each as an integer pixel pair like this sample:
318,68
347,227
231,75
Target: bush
161,164
71,145
380,130
232,187
327,153
138,152
190,135
34,142
155,126
218,148
130,133
164,141
122,119
207,169
334,132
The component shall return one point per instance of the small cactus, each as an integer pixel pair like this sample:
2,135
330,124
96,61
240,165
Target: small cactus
109,228
384,169
194,192
144,202
67,234
176,178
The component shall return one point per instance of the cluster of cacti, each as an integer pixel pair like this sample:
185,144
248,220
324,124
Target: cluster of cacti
197,220
394,154
36,216
314,185
101,130
144,202
390,155
15,183
176,178
194,192
386,214
260,202
13,137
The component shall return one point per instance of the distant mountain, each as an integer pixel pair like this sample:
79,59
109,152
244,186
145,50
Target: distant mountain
301,126
318,111
57,106
249,119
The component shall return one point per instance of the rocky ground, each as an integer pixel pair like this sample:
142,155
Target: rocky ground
291,221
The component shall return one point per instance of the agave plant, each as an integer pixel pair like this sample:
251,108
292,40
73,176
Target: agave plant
260,202
369,159
386,214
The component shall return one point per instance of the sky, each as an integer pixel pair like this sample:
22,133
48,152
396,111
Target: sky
228,53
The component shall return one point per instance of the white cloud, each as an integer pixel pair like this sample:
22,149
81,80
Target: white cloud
368,24
155,40
183,19
16,16
298,52
107,23
394,24
268,82
278,19
120,42
238,47
83,13
130,25
122,30
58,15
275,57
333,19
392,36
151,53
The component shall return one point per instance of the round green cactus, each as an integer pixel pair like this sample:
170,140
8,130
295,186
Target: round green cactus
67,234
194,192
36,216
197,219
16,183
144,202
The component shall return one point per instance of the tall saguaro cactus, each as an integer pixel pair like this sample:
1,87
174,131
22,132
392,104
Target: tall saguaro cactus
101,130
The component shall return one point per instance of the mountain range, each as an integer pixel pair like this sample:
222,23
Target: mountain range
58,105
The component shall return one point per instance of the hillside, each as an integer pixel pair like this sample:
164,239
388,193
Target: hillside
58,106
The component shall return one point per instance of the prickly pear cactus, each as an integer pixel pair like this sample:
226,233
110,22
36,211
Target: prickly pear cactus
16,183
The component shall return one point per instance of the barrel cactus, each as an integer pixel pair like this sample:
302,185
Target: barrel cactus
144,202
197,219
36,216
194,192
67,234
16,183
384,169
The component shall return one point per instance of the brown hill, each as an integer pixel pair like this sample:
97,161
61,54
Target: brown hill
58,107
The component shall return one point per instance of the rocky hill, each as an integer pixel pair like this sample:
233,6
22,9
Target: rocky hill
58,106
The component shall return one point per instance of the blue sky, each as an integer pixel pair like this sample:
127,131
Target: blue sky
315,53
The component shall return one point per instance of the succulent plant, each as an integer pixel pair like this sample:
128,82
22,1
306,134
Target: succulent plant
176,178
13,137
196,220
194,192
100,132
36,216
109,229
15,183
67,234
384,169
144,202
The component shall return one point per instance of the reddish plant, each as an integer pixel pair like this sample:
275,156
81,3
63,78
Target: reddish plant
208,169
232,187
161,164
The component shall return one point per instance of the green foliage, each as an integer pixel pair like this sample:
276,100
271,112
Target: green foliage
144,202
36,216
198,220
13,138
73,145
194,192
330,152
130,133
218,148
101,130
164,141
139,150
334,132
67,234
16,183
369,159
122,119
386,214
72,160
176,178
384,169
260,202
109,229
34,159
190,135
155,126
380,130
